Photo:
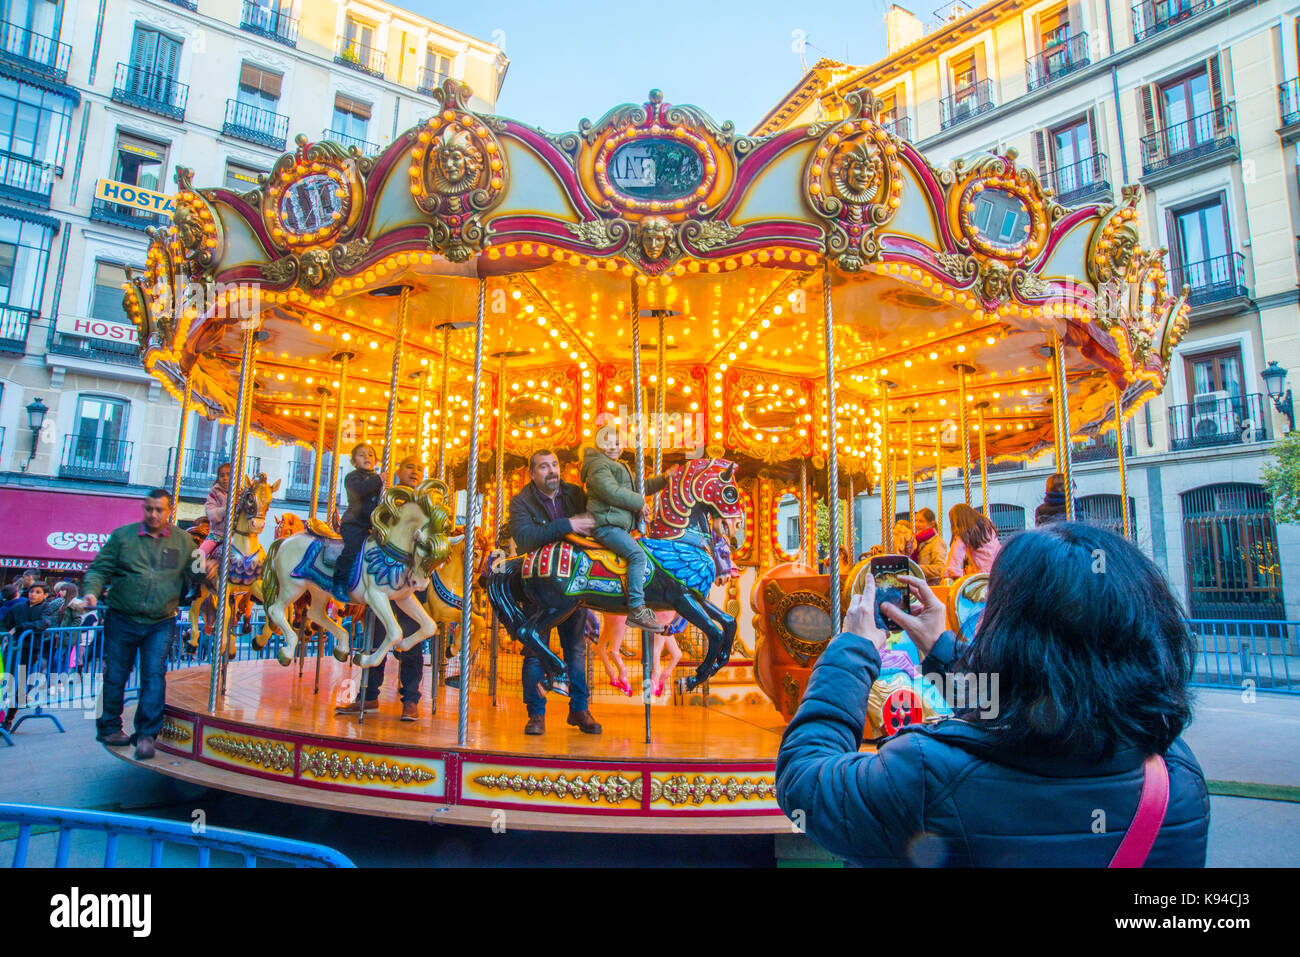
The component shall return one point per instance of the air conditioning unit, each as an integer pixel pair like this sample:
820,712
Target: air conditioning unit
1213,415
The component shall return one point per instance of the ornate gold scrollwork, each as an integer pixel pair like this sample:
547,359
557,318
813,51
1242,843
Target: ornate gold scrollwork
613,788
458,171
322,763
271,755
779,604
175,731
312,198
853,180
679,789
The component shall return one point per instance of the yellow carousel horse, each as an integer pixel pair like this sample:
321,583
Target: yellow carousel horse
408,541
245,566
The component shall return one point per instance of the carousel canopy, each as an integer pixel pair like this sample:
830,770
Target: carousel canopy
657,210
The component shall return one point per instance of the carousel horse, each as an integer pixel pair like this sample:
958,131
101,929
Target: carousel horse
533,593
408,540
244,570
444,600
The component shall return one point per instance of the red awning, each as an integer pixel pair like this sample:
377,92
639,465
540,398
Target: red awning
59,531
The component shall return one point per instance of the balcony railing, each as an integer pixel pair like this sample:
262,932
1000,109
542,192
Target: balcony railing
34,52
264,127
1212,280
430,80
1101,449
199,470
1199,136
358,56
1055,62
299,486
966,103
25,179
14,324
1212,421
103,211
269,23
367,148
1288,101
1086,179
99,350
900,125
153,92
1155,16
100,460
187,4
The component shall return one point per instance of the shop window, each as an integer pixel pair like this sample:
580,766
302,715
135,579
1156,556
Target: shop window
1231,553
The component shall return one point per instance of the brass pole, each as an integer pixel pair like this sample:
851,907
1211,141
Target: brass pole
886,478
984,459
638,478
471,520
1123,470
180,448
911,471
832,462
850,532
443,404
320,449
236,480
422,443
963,418
394,378
803,511
332,508
1058,354
498,517
938,482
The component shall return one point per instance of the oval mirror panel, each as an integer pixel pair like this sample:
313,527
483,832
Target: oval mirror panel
1001,219
311,204
656,169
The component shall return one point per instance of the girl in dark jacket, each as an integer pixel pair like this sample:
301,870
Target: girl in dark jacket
1053,507
364,487
1079,671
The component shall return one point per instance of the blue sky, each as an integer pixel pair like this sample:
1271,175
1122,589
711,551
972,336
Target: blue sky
735,60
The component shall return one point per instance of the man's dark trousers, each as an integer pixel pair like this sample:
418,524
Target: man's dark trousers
573,647
410,663
123,640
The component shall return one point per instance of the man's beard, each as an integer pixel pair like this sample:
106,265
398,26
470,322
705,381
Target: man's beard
551,485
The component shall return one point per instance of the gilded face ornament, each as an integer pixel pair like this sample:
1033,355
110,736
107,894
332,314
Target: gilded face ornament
654,234
457,162
858,175
1121,256
188,227
995,280
315,267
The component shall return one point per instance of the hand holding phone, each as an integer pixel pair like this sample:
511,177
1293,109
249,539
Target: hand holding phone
887,569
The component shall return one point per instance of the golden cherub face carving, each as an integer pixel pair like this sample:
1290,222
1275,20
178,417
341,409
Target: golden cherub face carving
654,234
858,175
1121,256
457,162
995,280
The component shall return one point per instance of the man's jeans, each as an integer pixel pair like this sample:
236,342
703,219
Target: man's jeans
613,537
573,645
123,639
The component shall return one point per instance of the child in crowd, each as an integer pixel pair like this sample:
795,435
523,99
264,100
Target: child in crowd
364,487
615,504
215,509
974,541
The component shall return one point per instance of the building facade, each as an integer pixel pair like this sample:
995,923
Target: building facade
1199,102
99,103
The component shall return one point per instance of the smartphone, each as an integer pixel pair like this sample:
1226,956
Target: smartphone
885,569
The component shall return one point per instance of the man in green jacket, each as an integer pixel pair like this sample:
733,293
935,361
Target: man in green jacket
146,568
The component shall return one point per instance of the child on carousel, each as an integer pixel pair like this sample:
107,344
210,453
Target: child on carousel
615,504
364,487
215,509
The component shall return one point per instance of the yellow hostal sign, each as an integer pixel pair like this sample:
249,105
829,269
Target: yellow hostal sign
124,194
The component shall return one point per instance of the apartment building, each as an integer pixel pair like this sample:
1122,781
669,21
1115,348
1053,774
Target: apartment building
1199,102
99,103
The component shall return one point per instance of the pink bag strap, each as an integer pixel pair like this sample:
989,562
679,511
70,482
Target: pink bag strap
1153,803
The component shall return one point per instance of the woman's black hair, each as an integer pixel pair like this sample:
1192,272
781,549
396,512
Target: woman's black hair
1091,649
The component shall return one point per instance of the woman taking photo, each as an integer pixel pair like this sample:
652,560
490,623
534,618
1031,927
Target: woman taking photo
974,542
1061,763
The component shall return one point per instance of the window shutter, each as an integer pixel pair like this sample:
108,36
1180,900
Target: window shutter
1040,154
1216,92
1092,132
1148,111
169,57
143,48
347,105
1175,251
268,83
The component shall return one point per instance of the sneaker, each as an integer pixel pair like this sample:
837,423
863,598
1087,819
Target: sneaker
643,618
410,711
353,709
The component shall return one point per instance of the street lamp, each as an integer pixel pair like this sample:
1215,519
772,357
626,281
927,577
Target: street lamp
1275,380
35,419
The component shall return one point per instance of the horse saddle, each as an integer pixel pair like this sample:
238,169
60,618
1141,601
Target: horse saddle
319,529
615,562
318,561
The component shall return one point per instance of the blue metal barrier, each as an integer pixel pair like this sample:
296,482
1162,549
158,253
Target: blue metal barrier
1231,653
251,846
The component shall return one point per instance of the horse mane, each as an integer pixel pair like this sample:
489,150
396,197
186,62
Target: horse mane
430,496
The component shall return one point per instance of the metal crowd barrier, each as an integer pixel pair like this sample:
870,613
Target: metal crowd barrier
1231,653
247,845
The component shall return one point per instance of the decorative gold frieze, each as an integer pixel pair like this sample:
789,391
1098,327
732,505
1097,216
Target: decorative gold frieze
320,763
173,730
613,788
271,755
679,789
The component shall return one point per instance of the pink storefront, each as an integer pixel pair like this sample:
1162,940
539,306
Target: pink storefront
57,532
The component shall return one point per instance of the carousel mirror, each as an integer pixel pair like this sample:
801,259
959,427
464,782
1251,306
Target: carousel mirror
534,411
1000,219
312,203
773,414
656,169
808,622
788,532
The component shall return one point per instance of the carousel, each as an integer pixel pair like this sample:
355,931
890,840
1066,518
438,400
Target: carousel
781,323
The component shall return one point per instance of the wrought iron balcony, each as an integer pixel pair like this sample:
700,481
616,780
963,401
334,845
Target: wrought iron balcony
153,92
900,125
269,23
33,52
1179,143
1155,16
966,103
430,80
1288,101
14,324
25,179
264,127
1056,61
101,210
1084,180
199,469
1101,449
299,485
367,148
1211,420
98,350
1212,280
96,459
358,56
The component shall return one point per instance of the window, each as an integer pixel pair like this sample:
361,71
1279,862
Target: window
351,118
259,88
1007,519
139,162
155,60
1202,248
358,34
1188,112
436,64
1072,155
210,437
963,73
1054,29
33,122
106,297
24,251
34,16
1218,371
1104,512
240,178
100,438
1231,553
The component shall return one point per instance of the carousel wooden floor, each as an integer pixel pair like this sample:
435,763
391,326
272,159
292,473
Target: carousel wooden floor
264,695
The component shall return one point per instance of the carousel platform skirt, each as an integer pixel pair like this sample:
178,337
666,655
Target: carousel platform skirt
705,770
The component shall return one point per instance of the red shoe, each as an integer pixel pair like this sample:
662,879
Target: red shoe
622,686
658,688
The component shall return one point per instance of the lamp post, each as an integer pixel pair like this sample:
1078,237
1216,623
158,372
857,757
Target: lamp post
36,419
1274,380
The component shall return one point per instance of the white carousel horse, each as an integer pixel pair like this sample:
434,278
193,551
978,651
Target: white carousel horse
408,540
444,601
